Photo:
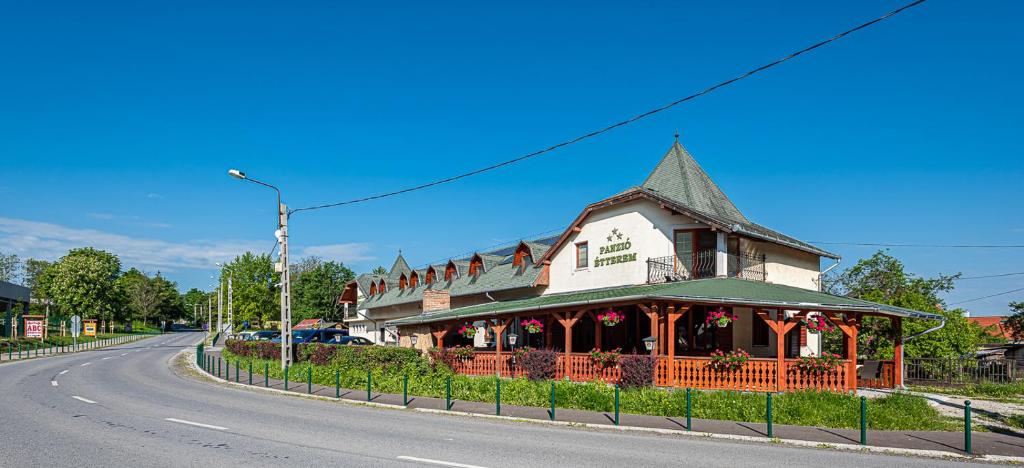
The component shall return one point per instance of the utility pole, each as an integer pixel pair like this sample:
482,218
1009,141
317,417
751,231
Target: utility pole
220,304
209,313
231,315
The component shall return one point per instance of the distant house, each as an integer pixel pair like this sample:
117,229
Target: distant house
312,324
1002,344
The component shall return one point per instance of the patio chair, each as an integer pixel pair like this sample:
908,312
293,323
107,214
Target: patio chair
870,370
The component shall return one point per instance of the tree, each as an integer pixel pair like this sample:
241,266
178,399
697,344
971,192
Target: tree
883,279
1015,323
38,276
192,301
316,287
10,267
380,271
141,294
255,298
169,307
83,282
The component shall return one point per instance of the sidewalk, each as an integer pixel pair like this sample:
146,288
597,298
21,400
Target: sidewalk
32,353
983,443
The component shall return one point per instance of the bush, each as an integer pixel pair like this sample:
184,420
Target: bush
318,354
540,364
238,347
264,349
637,371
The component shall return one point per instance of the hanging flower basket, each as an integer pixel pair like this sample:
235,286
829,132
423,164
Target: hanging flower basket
468,331
731,361
720,318
532,326
605,358
818,324
611,318
462,352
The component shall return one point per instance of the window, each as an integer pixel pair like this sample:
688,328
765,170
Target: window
476,265
402,281
759,332
373,289
414,279
430,276
382,287
581,255
522,255
450,271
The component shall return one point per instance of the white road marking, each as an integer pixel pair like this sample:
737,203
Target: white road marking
53,382
124,354
108,357
191,423
84,400
65,371
437,462
86,364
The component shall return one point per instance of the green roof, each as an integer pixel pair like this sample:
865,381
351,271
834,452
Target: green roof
725,291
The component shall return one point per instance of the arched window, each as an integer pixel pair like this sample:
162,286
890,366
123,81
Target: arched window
373,289
382,287
402,282
414,279
523,255
431,276
476,265
451,271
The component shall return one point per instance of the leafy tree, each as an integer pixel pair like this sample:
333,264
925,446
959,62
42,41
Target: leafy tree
1015,323
37,279
170,306
141,295
883,279
380,270
254,296
193,300
83,282
10,267
316,287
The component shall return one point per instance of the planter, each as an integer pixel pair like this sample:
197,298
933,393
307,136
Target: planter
611,318
720,318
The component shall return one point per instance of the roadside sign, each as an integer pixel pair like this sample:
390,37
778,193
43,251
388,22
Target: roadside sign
76,326
34,329
89,327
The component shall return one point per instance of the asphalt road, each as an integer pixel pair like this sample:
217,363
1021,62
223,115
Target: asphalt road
126,406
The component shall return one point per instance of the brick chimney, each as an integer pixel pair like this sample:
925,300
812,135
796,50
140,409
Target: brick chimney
436,300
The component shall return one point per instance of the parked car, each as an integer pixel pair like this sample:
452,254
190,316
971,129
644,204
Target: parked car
264,335
319,335
244,336
350,341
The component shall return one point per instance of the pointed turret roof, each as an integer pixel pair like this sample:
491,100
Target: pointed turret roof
398,268
679,178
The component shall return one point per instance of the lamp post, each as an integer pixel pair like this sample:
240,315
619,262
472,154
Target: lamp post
512,338
649,343
231,277
286,294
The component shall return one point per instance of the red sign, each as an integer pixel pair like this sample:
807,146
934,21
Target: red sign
34,328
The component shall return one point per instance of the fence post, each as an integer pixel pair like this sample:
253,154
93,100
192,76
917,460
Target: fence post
218,366
448,394
286,377
770,433
689,422
863,420
236,370
967,427
405,390
369,384
497,397
616,404
250,372
337,384
309,379
266,374
552,412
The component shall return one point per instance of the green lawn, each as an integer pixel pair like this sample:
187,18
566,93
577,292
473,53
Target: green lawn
821,409
1011,391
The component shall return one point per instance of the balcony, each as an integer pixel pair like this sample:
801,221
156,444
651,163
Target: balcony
702,264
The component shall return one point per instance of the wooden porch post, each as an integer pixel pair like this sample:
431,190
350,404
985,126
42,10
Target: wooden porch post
567,322
849,325
673,315
652,314
897,332
597,329
780,326
498,327
440,332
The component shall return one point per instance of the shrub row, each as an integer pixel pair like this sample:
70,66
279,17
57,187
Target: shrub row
389,365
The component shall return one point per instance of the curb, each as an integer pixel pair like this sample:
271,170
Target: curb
48,356
608,427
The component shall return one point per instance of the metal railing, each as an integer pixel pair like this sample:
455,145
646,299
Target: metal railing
960,371
702,264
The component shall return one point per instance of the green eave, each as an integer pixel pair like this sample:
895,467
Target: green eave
725,291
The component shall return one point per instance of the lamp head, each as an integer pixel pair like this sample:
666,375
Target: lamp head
236,174
512,337
414,338
649,343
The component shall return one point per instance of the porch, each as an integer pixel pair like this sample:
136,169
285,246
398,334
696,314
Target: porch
674,319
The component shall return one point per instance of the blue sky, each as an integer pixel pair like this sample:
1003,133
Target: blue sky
121,119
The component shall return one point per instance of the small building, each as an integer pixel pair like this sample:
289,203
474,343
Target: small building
671,263
14,301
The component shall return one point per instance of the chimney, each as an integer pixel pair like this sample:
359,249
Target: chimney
434,300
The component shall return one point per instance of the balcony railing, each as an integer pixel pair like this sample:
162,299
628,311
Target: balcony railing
702,264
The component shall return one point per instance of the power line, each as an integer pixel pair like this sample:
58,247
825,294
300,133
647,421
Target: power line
495,246
617,124
934,246
990,276
990,295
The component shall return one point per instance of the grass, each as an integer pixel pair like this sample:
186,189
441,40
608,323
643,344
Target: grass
808,408
1010,391
53,340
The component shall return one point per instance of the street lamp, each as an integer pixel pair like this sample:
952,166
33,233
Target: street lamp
649,343
286,291
231,311
414,338
512,338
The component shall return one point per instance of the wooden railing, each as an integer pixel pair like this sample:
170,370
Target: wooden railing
756,375
886,377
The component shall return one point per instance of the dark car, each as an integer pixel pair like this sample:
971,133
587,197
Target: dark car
263,335
350,341
319,335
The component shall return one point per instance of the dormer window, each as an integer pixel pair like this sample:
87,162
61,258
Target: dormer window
431,276
451,271
382,287
402,282
414,279
373,289
476,265
523,255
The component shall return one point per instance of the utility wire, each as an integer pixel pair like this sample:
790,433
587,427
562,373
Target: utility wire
990,295
990,276
620,123
936,246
